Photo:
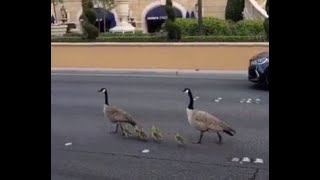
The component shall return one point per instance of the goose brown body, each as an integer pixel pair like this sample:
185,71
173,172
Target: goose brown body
117,115
204,121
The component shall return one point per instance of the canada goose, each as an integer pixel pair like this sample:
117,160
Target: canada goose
204,121
115,114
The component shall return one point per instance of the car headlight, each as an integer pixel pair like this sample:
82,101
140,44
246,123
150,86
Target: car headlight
260,61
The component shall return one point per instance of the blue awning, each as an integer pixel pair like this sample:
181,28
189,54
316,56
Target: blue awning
109,16
192,15
159,13
188,14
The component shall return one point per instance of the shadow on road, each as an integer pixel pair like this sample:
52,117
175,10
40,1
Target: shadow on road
259,87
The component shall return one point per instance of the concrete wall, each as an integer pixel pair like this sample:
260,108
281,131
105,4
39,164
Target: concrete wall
203,56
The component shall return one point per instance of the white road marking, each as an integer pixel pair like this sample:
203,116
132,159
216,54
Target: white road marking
235,159
147,75
245,159
145,151
258,160
68,144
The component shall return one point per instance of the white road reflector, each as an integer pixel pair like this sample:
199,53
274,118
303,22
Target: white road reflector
68,144
258,160
235,159
245,159
145,151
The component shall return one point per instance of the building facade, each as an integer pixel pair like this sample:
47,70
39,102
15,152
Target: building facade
140,10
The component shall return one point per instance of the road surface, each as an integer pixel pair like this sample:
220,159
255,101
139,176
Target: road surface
83,148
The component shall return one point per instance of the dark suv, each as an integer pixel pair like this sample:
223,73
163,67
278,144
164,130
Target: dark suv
258,70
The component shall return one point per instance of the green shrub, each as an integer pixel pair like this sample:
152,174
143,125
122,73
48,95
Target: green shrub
87,4
170,10
249,28
90,31
223,39
215,26
220,27
112,39
90,16
119,38
173,30
266,27
188,26
73,34
133,39
108,34
137,33
211,26
234,10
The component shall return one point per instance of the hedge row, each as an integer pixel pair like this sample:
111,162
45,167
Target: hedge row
220,27
120,38
212,27
138,33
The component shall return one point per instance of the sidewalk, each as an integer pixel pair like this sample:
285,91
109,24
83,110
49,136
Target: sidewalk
149,72
124,70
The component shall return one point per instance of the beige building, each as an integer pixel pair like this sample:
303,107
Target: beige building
139,9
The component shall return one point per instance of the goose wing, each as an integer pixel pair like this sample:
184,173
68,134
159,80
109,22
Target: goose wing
224,125
207,121
119,115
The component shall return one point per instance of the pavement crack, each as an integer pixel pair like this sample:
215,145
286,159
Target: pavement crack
161,159
254,175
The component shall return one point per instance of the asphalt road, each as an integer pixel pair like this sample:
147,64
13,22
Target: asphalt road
95,153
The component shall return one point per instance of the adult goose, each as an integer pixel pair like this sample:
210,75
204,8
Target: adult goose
204,121
115,114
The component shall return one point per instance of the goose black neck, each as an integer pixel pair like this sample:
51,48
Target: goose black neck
190,106
106,98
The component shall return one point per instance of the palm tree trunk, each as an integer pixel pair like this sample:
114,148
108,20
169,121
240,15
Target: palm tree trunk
200,17
104,21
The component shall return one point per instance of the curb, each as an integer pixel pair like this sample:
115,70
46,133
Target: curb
199,44
123,70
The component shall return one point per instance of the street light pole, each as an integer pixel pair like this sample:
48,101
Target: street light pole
200,17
